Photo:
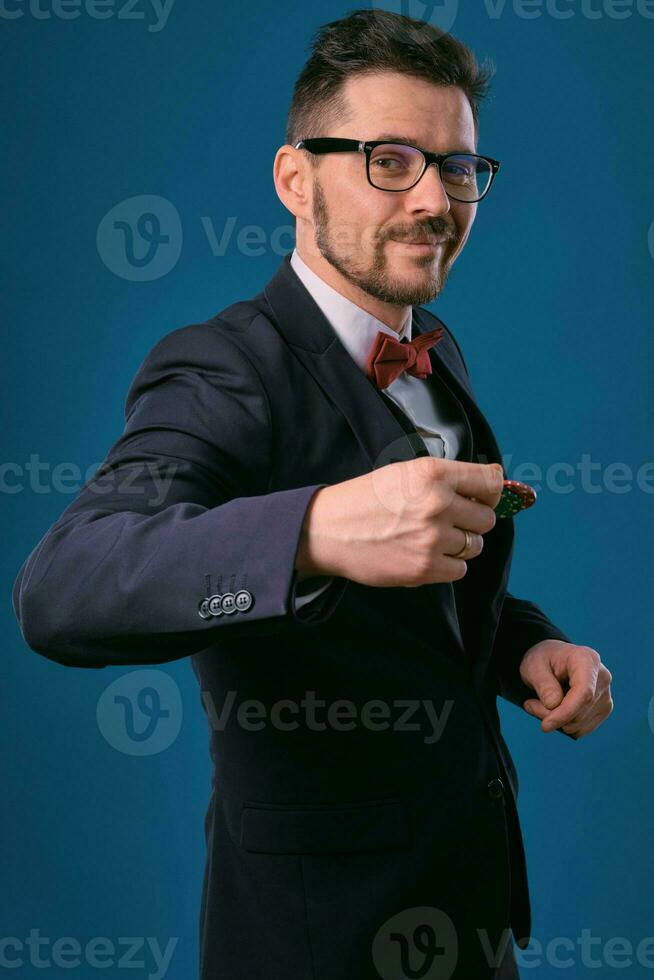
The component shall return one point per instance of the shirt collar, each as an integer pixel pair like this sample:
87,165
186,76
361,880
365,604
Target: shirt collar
355,327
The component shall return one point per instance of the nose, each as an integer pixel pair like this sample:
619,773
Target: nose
429,194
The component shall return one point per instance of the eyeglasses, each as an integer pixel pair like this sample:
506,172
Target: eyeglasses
466,177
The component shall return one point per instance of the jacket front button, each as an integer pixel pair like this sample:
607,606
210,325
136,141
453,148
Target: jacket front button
496,789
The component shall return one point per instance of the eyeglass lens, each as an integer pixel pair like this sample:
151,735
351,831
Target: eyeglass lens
394,166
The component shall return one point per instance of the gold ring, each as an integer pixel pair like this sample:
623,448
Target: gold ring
467,545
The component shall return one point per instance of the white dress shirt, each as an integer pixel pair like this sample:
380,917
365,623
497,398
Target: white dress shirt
440,428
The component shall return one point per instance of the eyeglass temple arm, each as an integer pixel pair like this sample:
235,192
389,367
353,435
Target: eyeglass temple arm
358,145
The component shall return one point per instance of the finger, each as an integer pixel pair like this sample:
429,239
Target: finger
454,540
575,700
583,680
536,708
580,720
583,723
449,570
585,727
472,514
600,712
588,720
480,480
604,679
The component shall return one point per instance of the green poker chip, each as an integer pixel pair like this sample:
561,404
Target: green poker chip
516,496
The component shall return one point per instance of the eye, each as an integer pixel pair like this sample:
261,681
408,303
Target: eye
388,163
458,172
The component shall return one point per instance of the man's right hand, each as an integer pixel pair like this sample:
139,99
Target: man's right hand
400,524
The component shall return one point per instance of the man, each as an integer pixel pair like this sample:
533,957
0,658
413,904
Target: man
327,550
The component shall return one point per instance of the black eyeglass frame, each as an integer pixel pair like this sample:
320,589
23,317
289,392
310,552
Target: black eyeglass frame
334,144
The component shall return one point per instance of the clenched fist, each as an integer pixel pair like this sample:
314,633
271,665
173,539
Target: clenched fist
401,524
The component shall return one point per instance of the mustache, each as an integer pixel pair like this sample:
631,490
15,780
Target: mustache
436,229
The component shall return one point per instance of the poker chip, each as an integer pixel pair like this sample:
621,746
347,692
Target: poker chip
515,497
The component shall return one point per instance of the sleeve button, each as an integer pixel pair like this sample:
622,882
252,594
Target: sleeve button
243,600
227,603
214,605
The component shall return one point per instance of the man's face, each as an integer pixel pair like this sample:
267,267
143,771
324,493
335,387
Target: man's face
363,232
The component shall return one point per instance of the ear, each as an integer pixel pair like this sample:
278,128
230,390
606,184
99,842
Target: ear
292,178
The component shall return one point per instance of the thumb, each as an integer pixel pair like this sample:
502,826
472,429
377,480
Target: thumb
546,685
550,693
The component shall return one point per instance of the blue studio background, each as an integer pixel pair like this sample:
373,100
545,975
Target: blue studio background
552,304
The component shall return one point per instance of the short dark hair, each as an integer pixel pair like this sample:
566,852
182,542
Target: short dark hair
370,42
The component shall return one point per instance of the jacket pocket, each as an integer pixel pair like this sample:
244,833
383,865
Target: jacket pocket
332,828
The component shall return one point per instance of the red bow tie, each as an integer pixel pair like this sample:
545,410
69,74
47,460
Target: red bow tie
388,357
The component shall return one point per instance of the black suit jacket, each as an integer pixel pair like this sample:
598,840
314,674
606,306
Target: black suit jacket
321,828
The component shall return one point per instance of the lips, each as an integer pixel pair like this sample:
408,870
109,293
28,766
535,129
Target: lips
421,241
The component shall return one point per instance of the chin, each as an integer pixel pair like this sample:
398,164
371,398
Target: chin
421,264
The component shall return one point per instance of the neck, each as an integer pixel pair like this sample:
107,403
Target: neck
390,314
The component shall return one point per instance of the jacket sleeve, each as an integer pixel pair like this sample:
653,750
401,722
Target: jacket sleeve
521,625
178,509
309,590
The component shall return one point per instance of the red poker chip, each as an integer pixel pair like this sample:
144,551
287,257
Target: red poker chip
516,496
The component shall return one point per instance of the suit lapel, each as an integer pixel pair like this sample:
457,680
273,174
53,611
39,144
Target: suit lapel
480,592
385,434
445,367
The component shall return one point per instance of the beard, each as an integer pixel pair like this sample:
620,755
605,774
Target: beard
377,279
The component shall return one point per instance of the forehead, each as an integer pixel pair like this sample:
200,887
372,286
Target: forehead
434,116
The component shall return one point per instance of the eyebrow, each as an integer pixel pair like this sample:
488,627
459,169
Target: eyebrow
394,138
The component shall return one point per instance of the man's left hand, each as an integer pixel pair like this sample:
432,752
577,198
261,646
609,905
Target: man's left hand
585,701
